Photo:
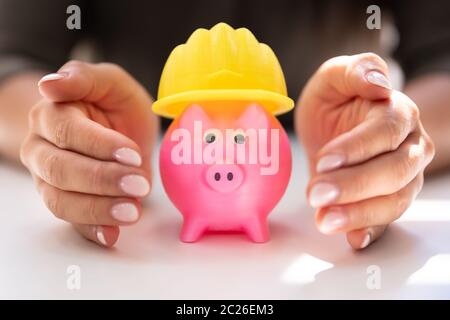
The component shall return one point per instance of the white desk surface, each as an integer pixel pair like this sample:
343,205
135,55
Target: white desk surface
149,262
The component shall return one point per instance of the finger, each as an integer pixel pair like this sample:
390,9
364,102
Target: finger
372,212
69,128
82,208
384,129
338,79
362,238
383,175
71,171
105,236
105,84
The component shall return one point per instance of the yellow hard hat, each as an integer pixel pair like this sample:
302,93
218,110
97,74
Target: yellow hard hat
221,64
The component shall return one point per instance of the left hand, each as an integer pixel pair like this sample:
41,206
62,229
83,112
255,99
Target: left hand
366,146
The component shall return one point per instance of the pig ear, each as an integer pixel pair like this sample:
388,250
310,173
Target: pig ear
192,113
254,116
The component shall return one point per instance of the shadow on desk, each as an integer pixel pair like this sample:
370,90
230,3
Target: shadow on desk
300,259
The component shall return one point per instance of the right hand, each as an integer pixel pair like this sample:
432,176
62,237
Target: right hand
89,147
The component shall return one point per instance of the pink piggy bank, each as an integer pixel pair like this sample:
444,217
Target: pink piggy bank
225,170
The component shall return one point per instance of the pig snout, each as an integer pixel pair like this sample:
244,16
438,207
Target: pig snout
224,177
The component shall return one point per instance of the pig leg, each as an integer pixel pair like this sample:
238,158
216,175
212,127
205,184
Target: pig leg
192,230
257,230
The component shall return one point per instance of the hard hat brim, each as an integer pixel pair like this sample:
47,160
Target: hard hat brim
172,106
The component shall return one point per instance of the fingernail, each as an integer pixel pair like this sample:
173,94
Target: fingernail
128,156
135,185
125,212
378,79
100,235
51,77
322,194
366,240
333,220
329,162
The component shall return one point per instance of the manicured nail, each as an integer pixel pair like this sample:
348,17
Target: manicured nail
329,162
135,185
128,156
322,193
100,235
366,240
378,79
333,220
51,77
125,212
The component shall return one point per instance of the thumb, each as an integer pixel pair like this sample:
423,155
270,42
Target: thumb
342,78
106,85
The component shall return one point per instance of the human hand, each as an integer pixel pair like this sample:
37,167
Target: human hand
366,146
89,147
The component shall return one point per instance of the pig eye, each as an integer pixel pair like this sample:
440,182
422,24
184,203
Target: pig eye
239,138
210,137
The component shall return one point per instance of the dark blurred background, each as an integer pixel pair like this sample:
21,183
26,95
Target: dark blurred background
139,35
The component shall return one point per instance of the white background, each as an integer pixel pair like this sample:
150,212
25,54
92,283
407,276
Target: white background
149,261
